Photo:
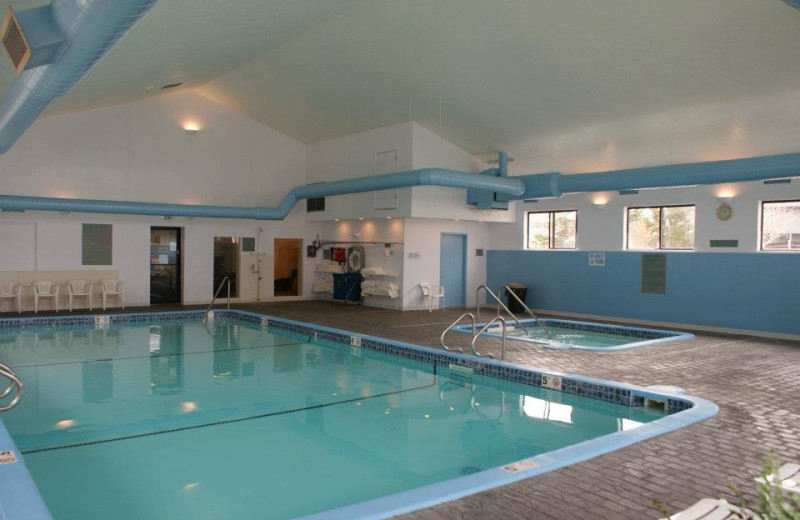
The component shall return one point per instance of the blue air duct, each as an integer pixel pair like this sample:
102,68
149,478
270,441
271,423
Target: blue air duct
556,184
424,177
90,29
500,188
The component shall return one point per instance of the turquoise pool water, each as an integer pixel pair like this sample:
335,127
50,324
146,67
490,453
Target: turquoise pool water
581,335
176,420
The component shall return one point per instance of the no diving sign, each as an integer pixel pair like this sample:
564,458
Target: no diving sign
7,457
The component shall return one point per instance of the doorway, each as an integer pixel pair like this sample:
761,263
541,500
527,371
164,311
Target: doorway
226,263
453,269
287,266
165,265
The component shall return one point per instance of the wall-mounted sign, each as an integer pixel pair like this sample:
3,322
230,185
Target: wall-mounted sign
724,243
654,273
597,259
96,244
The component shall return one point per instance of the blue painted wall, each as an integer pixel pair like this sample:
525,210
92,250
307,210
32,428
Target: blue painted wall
751,291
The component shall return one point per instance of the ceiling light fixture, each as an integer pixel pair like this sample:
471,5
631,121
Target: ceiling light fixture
191,129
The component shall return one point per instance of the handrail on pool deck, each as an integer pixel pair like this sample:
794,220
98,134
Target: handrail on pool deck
208,309
502,321
441,338
527,309
14,382
499,305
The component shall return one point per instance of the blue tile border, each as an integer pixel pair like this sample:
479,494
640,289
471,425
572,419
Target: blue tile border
21,501
646,337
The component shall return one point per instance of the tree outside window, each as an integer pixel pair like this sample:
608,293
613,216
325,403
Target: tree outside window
552,230
780,225
663,227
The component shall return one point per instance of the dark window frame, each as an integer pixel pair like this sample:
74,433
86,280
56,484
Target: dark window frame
761,230
660,227
551,230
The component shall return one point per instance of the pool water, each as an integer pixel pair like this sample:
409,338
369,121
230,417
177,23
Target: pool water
178,420
579,335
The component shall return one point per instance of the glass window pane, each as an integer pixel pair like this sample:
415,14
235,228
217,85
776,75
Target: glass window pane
677,229
781,226
538,230
564,229
643,224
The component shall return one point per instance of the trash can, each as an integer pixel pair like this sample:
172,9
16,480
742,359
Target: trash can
521,290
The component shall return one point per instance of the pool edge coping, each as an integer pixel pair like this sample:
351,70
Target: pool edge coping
20,498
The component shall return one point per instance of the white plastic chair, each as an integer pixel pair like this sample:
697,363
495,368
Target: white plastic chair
9,289
113,288
432,292
79,288
712,509
44,289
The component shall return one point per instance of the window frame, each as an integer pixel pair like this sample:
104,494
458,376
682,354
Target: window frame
761,228
550,230
660,227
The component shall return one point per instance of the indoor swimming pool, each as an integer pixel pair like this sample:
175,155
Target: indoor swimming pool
581,335
249,417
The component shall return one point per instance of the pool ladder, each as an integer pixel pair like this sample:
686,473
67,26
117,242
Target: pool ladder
511,293
14,384
475,335
475,319
214,299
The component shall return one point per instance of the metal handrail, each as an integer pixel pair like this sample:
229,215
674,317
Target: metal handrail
441,338
11,385
502,321
499,304
15,383
214,299
527,309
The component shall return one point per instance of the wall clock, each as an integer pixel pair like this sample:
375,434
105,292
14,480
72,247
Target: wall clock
724,211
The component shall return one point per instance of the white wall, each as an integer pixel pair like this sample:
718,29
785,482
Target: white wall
431,151
355,156
601,227
138,151
424,236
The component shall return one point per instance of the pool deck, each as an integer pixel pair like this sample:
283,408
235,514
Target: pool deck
754,381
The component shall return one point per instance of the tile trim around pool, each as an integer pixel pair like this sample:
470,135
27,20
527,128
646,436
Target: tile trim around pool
20,499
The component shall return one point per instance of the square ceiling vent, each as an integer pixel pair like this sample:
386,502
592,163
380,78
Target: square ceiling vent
14,42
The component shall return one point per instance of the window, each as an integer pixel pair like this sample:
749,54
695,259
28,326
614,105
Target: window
665,227
780,225
315,204
552,229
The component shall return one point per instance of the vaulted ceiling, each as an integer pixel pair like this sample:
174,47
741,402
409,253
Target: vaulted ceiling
486,75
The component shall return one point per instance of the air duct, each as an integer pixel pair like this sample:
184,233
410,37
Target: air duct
424,177
90,28
556,184
503,188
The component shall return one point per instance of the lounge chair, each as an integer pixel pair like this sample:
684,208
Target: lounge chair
44,289
77,289
113,288
12,290
712,509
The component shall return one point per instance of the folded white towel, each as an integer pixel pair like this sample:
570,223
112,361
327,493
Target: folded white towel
372,270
